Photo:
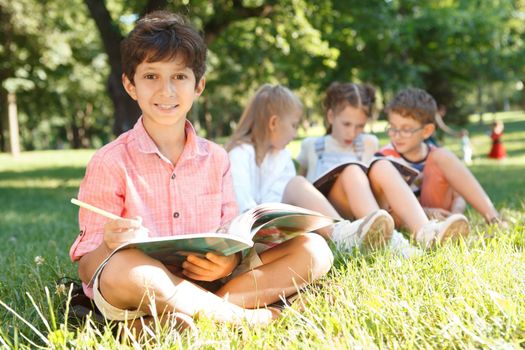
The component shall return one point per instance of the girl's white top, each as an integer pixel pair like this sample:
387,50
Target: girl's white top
362,149
255,184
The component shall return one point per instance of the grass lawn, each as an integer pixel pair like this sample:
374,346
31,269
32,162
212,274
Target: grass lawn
470,295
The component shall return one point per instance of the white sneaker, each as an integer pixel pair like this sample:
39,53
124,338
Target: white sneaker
438,232
372,232
399,245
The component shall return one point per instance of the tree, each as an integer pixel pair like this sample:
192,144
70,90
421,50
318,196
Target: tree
54,65
445,47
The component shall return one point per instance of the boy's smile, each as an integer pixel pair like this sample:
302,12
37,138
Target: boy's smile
165,91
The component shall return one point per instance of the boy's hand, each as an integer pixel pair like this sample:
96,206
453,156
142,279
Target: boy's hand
210,268
120,231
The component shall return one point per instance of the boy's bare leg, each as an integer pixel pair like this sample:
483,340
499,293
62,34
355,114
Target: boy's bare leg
462,181
286,267
300,192
391,188
130,276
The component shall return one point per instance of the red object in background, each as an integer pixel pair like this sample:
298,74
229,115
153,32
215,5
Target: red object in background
498,149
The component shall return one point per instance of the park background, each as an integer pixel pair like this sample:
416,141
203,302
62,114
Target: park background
61,98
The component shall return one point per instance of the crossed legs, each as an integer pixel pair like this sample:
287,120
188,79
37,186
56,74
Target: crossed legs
131,276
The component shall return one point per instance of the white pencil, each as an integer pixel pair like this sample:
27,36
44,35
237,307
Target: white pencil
95,209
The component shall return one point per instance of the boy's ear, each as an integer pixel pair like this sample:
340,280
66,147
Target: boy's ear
428,130
129,87
200,86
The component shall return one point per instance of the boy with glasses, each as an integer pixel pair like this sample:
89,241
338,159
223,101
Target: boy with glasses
357,193
444,180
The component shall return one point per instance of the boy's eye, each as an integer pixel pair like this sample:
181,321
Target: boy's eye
180,76
149,76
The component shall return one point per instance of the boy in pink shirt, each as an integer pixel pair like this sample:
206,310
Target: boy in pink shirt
164,180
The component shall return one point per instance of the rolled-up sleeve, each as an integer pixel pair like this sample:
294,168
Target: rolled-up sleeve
100,188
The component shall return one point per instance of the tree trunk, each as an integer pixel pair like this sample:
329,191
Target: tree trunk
126,109
14,137
6,72
3,119
523,94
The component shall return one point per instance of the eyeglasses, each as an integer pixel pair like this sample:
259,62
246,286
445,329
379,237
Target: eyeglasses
405,133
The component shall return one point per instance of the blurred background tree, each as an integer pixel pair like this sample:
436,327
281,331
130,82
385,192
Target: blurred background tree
63,62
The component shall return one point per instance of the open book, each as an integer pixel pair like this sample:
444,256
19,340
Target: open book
269,223
326,180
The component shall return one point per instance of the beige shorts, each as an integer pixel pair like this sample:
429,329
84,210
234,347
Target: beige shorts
110,312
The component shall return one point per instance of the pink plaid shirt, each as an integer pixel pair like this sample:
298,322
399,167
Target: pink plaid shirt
130,177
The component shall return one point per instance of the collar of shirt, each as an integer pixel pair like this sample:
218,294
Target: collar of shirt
192,148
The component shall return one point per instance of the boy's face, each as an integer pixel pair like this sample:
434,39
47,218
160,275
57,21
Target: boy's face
283,129
347,124
407,134
165,91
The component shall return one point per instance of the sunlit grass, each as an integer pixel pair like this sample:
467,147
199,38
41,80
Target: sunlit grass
459,296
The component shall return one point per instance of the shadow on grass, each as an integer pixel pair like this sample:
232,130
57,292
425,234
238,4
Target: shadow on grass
59,173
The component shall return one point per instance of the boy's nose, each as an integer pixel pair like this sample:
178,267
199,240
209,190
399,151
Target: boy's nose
169,88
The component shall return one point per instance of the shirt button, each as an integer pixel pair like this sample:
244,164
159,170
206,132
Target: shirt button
173,176
176,214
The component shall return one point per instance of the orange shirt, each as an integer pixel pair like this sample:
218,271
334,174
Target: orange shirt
130,177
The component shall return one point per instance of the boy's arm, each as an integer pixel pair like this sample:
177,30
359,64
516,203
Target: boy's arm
464,183
116,233
101,187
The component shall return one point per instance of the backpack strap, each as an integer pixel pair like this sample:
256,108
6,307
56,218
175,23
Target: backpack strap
359,146
319,146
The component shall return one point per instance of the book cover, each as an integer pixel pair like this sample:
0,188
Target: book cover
270,223
326,180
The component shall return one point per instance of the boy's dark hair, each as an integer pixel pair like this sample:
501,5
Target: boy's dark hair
414,103
161,36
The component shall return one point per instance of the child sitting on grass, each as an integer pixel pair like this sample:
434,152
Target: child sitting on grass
164,180
411,116
263,170
356,193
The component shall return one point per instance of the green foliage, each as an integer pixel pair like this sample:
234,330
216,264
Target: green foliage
468,54
58,74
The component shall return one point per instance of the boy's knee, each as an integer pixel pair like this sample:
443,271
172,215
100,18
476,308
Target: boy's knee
318,252
131,270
